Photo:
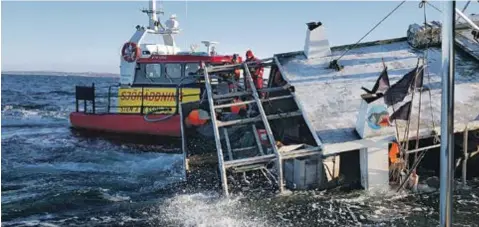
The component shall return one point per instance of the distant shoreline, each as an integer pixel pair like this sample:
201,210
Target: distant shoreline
54,73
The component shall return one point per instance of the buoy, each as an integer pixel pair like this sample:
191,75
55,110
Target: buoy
130,52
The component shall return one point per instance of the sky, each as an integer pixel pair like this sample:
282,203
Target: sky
87,36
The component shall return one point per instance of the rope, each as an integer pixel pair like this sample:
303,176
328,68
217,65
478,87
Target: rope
421,4
389,14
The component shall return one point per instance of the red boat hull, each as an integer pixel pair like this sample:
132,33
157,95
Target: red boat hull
127,123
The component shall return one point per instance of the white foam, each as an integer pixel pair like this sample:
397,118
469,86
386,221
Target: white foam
207,210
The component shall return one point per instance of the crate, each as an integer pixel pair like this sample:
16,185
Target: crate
303,173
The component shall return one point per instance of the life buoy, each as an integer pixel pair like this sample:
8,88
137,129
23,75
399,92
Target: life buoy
130,52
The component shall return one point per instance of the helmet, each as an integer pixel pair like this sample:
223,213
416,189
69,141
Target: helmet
235,58
197,117
249,54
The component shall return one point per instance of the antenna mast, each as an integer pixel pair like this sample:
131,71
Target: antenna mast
152,13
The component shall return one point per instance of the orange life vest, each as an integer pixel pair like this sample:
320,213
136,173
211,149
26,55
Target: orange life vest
236,109
393,153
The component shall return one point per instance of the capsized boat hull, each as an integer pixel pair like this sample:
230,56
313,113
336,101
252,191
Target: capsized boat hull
127,123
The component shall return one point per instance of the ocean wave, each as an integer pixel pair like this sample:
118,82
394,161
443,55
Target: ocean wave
128,164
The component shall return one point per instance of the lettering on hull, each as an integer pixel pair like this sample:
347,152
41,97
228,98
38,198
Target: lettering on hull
130,100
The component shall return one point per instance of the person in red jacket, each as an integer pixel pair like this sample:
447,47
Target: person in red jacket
256,72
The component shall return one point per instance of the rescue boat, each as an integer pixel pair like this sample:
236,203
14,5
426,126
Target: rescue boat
154,80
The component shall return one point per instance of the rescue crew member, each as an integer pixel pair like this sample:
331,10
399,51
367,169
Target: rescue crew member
201,120
235,76
197,118
256,72
237,72
238,108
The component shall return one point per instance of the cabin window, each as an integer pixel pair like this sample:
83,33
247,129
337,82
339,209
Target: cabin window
191,68
172,71
153,70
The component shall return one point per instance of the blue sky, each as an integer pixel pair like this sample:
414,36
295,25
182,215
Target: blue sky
87,36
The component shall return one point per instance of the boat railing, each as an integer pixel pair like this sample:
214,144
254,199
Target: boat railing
88,95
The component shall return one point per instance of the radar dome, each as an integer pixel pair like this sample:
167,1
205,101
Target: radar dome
172,23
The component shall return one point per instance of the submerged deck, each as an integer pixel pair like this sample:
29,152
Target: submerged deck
331,99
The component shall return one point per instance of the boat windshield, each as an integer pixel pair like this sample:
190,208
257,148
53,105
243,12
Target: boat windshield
165,73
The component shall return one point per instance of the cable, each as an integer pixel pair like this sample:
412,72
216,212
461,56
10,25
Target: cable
345,52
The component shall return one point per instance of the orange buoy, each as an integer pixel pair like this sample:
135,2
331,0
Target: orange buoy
130,52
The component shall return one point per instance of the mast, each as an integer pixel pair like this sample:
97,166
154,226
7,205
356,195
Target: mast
153,18
447,114
152,14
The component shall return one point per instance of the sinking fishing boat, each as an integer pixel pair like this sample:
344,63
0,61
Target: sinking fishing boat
363,113
154,79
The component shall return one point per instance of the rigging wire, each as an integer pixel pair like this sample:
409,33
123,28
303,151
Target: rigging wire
389,14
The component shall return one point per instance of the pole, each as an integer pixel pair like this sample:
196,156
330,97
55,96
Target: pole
464,161
447,114
469,21
153,17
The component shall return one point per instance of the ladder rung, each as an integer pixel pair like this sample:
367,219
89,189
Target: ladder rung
277,98
243,93
249,168
252,101
212,69
231,95
257,118
249,161
244,148
234,104
230,68
300,153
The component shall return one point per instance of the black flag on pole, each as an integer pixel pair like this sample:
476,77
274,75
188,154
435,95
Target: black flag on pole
382,83
398,91
369,98
402,113
419,80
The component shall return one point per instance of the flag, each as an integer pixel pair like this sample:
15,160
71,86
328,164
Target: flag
369,98
419,80
402,113
398,91
382,83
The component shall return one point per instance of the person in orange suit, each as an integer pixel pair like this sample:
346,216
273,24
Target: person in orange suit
256,72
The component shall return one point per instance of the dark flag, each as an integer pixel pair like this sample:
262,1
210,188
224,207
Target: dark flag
402,113
398,91
382,83
369,98
419,80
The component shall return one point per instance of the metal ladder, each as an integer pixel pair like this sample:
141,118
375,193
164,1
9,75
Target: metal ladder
257,162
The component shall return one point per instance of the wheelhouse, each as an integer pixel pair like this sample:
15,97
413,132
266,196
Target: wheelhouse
171,70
